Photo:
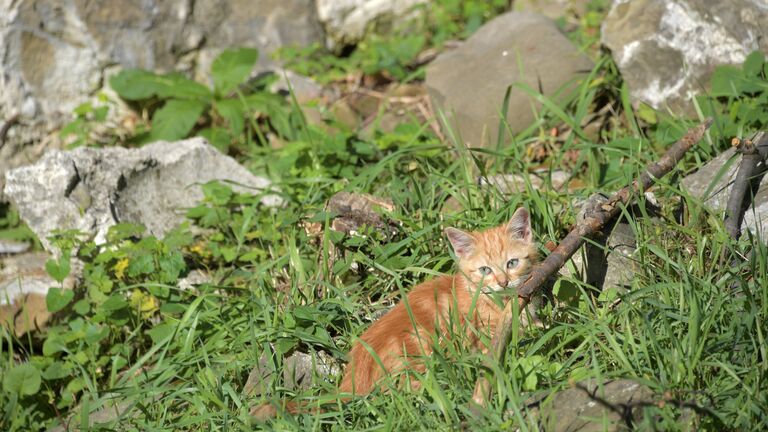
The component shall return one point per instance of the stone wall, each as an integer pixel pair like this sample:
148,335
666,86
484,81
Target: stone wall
57,54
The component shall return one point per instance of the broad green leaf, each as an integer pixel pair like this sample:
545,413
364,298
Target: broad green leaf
137,84
113,303
58,298
58,269
218,137
123,231
647,113
232,67
531,381
233,111
726,81
175,119
76,385
95,334
171,267
217,193
57,370
177,86
178,237
23,379
141,265
753,65
52,345
159,332
173,308
82,306
118,362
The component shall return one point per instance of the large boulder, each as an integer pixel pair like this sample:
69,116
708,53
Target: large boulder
667,50
469,82
90,189
55,55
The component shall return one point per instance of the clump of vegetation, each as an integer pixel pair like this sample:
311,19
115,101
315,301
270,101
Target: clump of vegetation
130,341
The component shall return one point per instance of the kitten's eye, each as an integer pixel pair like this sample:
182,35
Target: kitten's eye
485,270
513,263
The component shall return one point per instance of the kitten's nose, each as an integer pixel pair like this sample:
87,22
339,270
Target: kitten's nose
504,282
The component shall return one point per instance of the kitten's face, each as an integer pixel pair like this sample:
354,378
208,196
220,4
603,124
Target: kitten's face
496,259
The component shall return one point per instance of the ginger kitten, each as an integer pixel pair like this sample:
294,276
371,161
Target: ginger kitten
492,260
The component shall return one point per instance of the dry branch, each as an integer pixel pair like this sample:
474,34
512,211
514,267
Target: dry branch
753,152
594,221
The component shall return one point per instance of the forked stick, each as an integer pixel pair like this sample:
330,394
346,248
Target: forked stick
594,221
754,152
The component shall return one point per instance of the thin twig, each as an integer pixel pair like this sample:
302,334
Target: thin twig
593,222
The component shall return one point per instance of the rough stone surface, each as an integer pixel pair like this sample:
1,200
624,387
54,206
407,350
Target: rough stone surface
55,55
508,184
702,185
612,265
263,24
91,189
298,370
9,247
469,82
346,21
667,50
193,279
552,8
591,406
24,284
609,264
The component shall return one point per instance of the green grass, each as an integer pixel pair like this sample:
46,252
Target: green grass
692,327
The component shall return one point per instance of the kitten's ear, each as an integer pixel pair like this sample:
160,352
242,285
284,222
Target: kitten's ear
519,227
463,243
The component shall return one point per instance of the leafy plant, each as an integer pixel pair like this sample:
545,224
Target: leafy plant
738,98
222,114
88,116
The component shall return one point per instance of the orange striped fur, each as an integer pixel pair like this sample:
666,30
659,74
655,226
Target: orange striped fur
491,260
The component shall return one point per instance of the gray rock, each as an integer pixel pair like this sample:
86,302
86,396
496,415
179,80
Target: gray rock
91,189
667,50
469,82
193,279
304,89
10,247
591,406
355,211
509,184
55,55
713,187
298,369
613,265
346,21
